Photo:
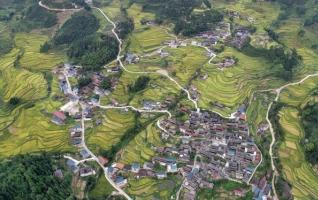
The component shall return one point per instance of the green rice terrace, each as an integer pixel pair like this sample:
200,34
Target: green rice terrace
169,99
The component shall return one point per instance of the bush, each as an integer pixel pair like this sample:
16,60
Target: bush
44,48
84,81
14,101
140,84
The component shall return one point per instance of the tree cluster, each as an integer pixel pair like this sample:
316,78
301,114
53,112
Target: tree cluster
14,101
30,177
312,20
80,25
40,17
106,84
288,59
84,81
309,118
180,12
93,51
124,27
197,23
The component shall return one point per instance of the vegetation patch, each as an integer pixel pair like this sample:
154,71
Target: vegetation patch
31,176
81,24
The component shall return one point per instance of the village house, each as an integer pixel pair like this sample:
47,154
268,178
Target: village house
161,175
84,153
120,181
86,171
131,58
58,118
135,167
58,173
72,166
114,69
102,160
172,168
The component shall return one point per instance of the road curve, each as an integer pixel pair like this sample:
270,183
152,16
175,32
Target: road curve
58,9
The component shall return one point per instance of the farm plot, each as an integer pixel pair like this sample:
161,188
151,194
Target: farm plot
114,124
139,150
31,58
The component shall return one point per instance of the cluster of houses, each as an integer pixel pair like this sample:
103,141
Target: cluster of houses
224,146
80,169
240,38
226,62
158,168
262,187
88,95
211,37
156,105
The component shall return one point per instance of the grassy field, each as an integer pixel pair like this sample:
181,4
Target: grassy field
32,59
101,189
144,38
30,129
159,88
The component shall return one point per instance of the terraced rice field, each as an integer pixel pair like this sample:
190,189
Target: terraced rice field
32,87
261,13
27,127
114,124
298,95
147,188
185,61
234,85
139,149
295,168
31,129
288,34
112,10
160,88
32,59
148,39
256,111
136,12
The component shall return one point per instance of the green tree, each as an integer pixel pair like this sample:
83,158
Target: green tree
106,84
